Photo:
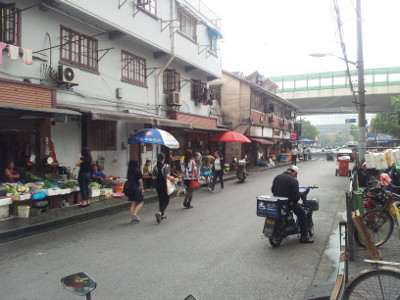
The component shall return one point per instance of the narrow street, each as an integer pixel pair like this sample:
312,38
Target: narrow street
214,251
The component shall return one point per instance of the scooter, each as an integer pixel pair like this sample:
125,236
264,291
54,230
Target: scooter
82,284
329,156
279,218
241,173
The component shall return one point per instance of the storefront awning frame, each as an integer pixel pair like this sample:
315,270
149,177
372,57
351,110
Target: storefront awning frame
128,117
26,110
262,140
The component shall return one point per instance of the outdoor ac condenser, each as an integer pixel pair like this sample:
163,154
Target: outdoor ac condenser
174,98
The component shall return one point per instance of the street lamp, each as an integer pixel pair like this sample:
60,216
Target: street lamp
330,54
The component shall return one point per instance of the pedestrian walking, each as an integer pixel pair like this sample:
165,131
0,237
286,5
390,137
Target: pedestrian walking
190,174
161,173
147,174
218,170
137,199
305,154
294,154
84,162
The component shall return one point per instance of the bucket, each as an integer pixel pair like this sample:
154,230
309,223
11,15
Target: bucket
23,211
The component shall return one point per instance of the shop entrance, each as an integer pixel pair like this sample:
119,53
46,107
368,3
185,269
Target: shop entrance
19,139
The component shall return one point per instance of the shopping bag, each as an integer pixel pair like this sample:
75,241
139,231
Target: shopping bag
181,190
170,187
194,184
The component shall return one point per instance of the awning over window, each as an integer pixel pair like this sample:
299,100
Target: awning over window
128,117
262,141
172,123
50,112
210,129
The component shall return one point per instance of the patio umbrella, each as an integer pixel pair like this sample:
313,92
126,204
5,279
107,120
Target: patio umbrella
306,141
229,136
154,136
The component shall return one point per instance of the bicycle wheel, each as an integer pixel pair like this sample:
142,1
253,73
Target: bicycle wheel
374,284
379,224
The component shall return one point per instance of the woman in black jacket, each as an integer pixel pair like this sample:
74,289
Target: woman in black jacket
161,173
85,163
137,199
218,169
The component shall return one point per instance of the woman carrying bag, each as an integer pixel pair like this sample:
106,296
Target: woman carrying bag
161,173
218,170
190,177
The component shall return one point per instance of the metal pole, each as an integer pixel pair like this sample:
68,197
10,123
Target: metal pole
361,86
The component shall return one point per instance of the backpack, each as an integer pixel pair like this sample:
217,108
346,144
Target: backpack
130,187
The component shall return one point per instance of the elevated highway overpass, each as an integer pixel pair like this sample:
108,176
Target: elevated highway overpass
331,92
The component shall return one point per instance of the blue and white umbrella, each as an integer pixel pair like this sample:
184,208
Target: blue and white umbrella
154,136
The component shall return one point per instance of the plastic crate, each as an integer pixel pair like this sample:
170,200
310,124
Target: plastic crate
268,206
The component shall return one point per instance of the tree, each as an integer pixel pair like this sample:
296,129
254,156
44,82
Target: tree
354,131
388,123
341,138
308,130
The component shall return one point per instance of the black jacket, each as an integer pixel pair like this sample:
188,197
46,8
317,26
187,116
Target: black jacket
222,164
285,185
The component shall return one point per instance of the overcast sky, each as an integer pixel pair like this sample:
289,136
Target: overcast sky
275,37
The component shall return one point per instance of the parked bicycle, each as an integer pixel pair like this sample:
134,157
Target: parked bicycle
380,282
380,220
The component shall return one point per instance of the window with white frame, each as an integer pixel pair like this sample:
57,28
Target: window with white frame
187,25
10,24
212,46
78,49
133,68
171,81
148,6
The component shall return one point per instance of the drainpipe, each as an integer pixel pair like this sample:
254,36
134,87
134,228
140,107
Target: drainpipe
160,73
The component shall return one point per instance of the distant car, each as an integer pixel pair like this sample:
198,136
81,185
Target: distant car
345,152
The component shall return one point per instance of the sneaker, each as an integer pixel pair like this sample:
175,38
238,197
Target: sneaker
222,189
306,240
210,189
164,217
185,203
158,218
189,206
135,218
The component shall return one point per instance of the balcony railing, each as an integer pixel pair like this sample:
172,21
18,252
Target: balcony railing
205,11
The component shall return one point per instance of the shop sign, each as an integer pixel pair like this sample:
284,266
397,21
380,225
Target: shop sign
286,135
293,136
277,133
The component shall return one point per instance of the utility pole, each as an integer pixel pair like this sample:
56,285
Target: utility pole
361,86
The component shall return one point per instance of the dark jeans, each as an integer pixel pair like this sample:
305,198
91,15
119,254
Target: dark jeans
301,217
294,160
84,181
163,197
220,175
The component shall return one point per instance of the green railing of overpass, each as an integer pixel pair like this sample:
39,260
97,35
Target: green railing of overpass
336,80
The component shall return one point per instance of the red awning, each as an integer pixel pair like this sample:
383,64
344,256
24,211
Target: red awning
262,141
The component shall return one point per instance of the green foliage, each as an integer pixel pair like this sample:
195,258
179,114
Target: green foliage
308,130
341,138
388,123
354,131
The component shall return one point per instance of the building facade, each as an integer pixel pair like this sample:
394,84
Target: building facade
249,105
91,73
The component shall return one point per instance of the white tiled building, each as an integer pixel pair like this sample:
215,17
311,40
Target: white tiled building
102,70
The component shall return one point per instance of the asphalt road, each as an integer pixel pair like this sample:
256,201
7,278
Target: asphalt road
215,250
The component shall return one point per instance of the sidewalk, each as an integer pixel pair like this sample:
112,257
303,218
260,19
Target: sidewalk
15,228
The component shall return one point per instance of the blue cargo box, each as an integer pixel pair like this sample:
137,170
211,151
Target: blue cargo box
268,206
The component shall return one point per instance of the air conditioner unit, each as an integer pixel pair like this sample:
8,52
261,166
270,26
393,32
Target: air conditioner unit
68,75
174,98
